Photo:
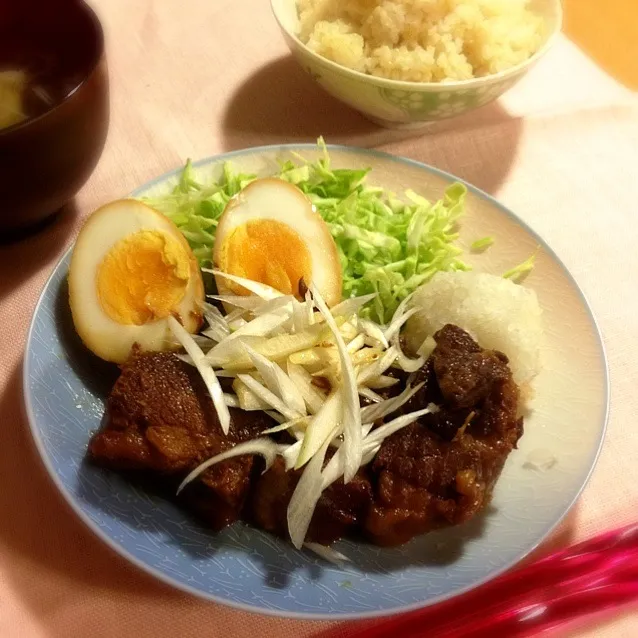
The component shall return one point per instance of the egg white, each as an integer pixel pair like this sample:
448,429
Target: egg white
107,338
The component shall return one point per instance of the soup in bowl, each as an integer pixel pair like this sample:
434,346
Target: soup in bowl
54,108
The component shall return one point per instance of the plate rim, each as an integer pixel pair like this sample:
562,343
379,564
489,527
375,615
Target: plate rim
119,549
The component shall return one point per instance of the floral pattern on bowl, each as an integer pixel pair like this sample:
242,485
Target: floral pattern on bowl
441,104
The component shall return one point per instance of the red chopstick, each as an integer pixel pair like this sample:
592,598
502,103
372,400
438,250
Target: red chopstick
600,574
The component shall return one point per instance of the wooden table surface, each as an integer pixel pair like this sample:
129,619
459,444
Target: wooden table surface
607,30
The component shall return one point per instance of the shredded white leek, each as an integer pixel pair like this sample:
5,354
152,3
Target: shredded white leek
310,307
396,325
275,416
235,319
247,399
264,447
247,302
256,287
299,316
261,326
288,425
313,397
374,332
351,410
213,335
382,382
231,400
356,344
231,354
283,303
205,370
404,362
351,306
278,382
368,393
268,397
217,324
379,410
272,345
290,454
306,496
401,308
427,347
377,368
388,429
327,420
334,468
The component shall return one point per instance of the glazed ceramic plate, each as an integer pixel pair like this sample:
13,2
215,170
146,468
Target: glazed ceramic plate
65,388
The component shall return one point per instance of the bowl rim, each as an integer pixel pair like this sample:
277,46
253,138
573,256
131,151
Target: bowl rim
86,9
71,501
404,85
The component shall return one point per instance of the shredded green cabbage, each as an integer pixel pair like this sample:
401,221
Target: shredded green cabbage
482,244
386,245
518,273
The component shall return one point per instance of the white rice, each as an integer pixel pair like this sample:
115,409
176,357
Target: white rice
422,40
498,313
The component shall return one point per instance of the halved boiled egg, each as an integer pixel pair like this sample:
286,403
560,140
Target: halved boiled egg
130,270
271,233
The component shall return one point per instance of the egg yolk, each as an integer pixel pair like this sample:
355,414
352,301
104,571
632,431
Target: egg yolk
142,278
267,251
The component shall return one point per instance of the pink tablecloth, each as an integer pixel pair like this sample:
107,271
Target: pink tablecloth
561,149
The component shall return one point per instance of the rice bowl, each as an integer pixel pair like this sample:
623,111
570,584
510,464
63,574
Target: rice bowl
401,104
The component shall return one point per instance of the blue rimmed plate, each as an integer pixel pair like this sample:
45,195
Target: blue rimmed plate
65,388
